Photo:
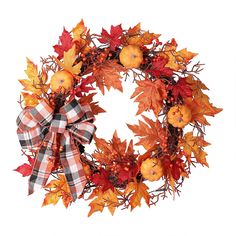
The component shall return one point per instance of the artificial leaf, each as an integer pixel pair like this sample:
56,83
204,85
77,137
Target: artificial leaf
200,105
58,188
109,151
30,100
194,145
181,88
26,169
150,95
79,30
101,179
32,84
68,61
177,60
134,30
65,43
108,75
84,87
150,133
88,99
159,68
113,39
103,199
137,191
145,38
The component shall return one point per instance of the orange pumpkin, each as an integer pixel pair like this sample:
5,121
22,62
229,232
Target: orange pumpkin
151,169
131,56
62,81
179,116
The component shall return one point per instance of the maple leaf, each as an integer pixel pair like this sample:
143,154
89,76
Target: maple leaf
134,30
108,151
113,39
102,179
79,30
83,86
103,199
139,191
181,88
194,145
65,43
108,75
149,132
69,60
88,99
177,59
30,100
159,68
35,83
145,38
200,105
58,188
26,169
150,95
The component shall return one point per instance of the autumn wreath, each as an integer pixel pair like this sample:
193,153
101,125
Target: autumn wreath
58,110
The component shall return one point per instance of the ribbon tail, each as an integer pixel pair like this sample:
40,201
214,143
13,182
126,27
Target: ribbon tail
43,165
73,169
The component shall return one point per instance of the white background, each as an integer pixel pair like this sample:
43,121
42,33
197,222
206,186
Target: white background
207,204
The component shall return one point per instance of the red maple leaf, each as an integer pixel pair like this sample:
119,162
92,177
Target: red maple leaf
128,174
158,68
26,169
181,88
113,38
65,43
83,87
102,179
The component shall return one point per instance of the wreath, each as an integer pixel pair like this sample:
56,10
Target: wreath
59,109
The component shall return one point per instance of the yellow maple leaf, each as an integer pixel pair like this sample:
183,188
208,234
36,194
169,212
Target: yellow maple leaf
58,188
36,83
177,60
194,145
69,60
139,191
30,100
32,83
79,30
103,199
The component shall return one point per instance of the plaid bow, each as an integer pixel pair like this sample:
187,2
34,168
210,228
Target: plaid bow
39,127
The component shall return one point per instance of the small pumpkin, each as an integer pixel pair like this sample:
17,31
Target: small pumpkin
62,81
131,56
179,116
151,169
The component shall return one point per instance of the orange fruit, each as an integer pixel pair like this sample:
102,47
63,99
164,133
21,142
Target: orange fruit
151,169
179,116
131,56
62,81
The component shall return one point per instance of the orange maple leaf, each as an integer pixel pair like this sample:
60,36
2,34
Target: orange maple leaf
194,145
137,191
30,99
149,133
114,149
150,95
58,188
103,199
88,99
200,104
108,75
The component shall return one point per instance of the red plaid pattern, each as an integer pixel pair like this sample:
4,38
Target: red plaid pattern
73,122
